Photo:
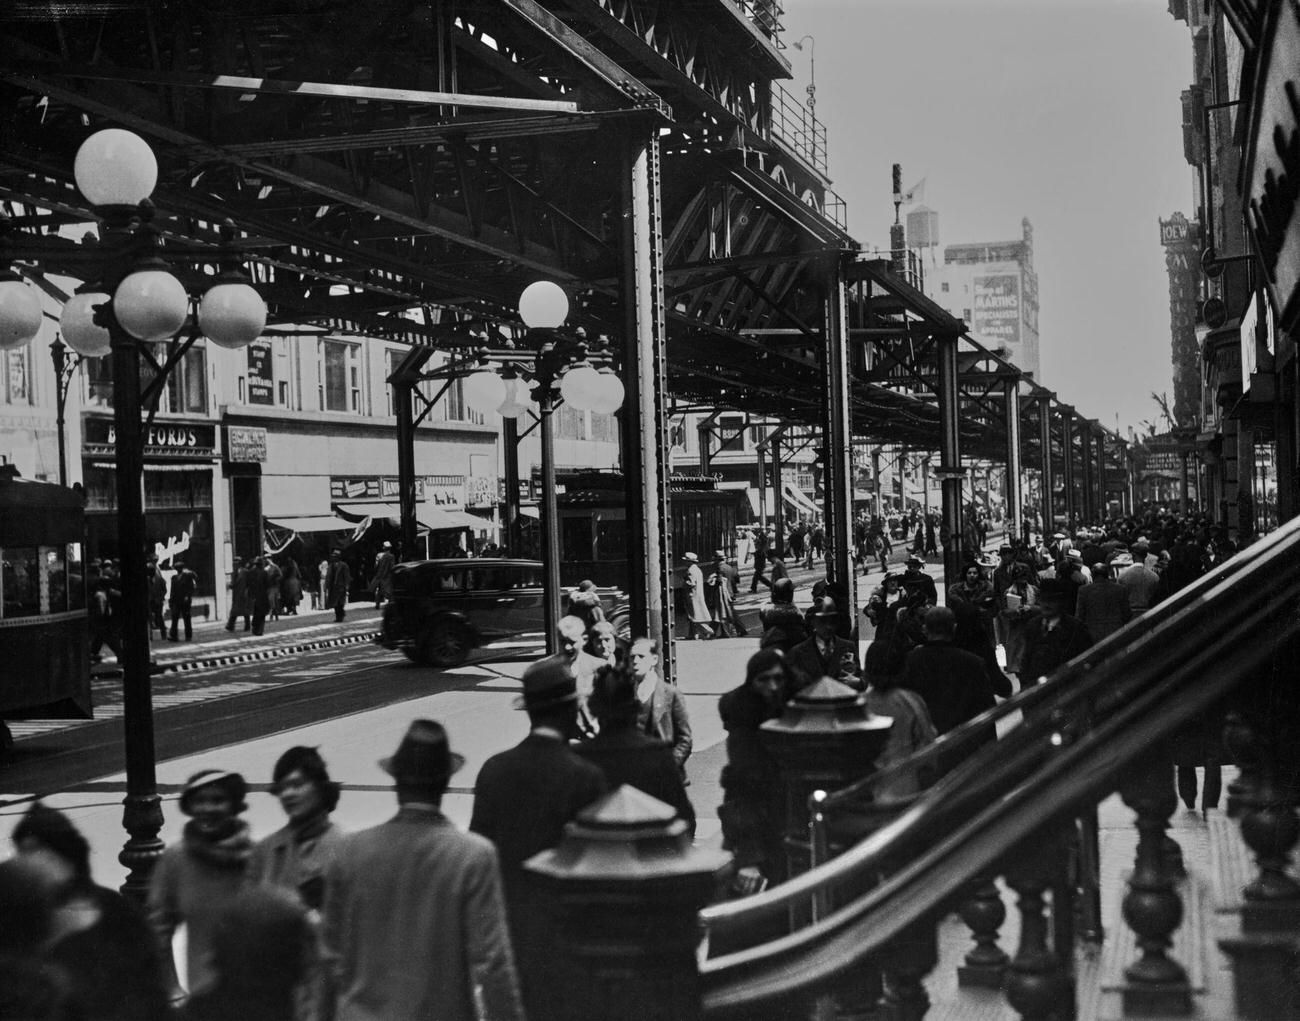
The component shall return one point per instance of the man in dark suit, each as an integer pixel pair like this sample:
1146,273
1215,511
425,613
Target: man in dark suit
1054,638
522,801
825,654
953,682
414,918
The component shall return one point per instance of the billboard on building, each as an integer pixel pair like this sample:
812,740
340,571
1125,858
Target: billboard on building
996,308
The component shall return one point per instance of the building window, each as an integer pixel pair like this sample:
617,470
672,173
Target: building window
965,314
454,407
394,360
570,423
604,428
944,287
730,434
341,385
187,390
15,388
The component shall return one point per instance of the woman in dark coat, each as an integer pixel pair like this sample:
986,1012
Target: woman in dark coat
100,940
751,811
783,623
291,586
976,590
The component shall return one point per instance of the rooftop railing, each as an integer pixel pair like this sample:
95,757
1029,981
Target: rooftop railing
801,132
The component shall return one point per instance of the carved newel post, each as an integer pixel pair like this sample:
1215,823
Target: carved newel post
1156,984
628,886
826,739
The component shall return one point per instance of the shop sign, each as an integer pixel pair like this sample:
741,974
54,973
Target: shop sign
386,487
192,441
261,373
1273,156
996,308
480,491
245,444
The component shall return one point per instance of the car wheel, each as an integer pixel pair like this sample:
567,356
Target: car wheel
446,645
415,655
622,627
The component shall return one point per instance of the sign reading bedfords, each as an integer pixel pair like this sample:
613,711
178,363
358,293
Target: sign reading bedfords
996,308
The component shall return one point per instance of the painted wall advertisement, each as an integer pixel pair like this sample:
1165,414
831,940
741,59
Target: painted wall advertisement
996,309
261,375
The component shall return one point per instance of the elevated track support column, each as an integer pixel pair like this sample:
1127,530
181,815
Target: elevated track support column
778,498
839,441
1011,387
1102,505
404,401
644,423
950,471
1047,512
1067,466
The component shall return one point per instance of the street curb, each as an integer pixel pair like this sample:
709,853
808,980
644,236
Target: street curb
235,658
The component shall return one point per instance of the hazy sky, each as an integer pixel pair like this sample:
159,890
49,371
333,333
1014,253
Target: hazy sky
1065,111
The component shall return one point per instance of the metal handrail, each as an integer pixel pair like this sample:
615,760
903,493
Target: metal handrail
1148,686
795,125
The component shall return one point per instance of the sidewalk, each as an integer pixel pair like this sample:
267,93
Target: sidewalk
214,646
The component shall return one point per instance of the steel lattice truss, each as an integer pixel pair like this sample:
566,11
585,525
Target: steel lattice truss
402,169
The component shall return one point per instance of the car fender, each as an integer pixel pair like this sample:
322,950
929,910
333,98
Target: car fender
427,623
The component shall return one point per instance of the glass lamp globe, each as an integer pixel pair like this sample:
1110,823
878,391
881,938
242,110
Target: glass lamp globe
543,305
515,403
580,387
484,390
232,314
115,168
80,331
609,394
151,305
20,314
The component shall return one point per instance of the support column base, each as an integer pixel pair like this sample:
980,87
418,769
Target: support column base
1270,916
982,976
1266,973
1162,999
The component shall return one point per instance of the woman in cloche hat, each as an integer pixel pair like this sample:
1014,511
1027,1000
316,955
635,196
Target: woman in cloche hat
195,878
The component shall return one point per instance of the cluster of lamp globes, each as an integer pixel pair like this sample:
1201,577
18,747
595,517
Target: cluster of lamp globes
116,168
543,305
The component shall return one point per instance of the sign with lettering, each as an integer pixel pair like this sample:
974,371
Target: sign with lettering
261,373
376,487
996,308
191,441
245,444
480,491
1176,230
1272,169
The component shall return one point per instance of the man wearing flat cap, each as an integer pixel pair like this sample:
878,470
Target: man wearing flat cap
414,915
825,654
522,800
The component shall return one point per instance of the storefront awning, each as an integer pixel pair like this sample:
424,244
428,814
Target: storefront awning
432,518
312,523
796,497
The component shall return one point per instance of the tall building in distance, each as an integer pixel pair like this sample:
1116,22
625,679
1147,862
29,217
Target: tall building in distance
992,285
1182,242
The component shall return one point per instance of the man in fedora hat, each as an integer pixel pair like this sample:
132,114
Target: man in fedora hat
953,682
697,606
1140,581
825,654
725,581
415,919
1053,638
523,799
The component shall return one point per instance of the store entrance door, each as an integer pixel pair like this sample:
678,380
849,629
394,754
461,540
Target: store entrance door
246,515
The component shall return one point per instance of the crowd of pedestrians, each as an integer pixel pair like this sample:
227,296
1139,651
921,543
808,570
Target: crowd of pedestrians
415,918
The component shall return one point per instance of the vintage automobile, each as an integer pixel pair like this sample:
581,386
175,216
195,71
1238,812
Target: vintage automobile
442,610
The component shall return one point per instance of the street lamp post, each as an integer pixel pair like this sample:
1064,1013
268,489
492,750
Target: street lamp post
138,302
64,369
554,362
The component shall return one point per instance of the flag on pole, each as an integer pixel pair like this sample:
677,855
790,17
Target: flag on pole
914,195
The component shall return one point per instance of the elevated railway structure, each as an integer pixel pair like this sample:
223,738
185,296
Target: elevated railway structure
404,170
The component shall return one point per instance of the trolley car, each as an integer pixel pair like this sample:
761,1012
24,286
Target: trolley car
44,635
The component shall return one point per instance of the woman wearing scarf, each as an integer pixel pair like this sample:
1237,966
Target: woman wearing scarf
975,589
296,857
196,878
1019,610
